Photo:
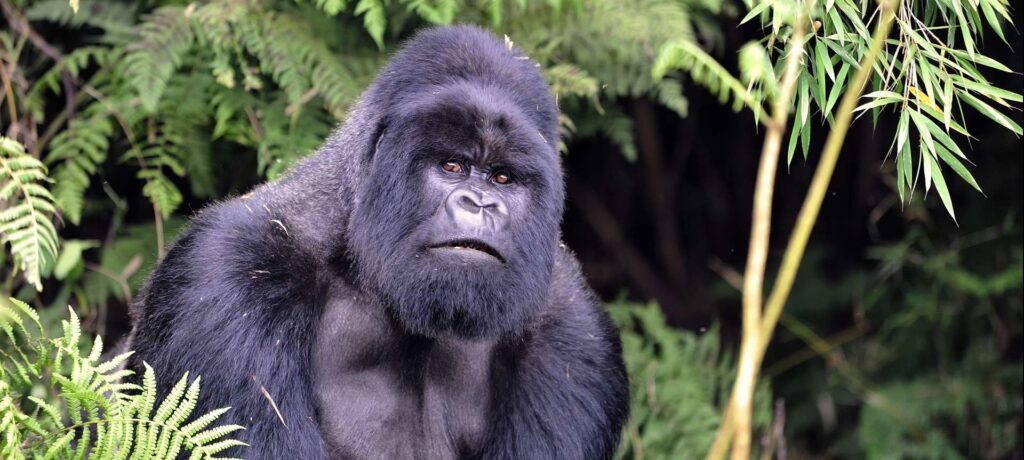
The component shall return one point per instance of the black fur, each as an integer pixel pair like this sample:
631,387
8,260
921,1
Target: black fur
317,287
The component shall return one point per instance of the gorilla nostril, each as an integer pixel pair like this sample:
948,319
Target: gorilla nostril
469,203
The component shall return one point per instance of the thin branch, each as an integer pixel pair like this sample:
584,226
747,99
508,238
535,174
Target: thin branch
159,223
19,24
273,405
122,281
12,110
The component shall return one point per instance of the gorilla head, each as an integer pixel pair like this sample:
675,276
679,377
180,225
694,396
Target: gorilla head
456,224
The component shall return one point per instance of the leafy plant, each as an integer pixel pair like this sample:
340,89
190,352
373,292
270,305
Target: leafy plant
679,383
949,392
838,34
26,210
927,73
56,402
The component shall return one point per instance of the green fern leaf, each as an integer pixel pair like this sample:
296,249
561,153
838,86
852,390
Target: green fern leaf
59,448
144,402
203,421
25,221
215,433
161,191
112,17
220,446
704,69
76,155
164,38
332,7
171,401
120,424
373,19
435,11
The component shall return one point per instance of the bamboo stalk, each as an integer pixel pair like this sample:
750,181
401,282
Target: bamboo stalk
736,424
822,176
757,254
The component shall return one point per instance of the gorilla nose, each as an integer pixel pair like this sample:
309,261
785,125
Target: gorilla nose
476,210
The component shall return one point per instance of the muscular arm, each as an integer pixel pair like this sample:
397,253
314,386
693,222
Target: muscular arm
565,394
234,301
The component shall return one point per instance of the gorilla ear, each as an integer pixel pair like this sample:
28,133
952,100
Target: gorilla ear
378,134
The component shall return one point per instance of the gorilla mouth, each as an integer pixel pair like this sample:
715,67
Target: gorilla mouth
471,245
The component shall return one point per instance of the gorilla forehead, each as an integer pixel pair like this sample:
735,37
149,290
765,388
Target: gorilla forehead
445,58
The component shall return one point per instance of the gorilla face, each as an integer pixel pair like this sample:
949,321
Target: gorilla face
458,220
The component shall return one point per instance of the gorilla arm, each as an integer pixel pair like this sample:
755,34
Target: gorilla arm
565,395
234,301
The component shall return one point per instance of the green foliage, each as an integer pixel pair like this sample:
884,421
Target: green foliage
704,69
76,155
934,371
928,72
679,383
26,210
56,402
600,52
946,393
162,40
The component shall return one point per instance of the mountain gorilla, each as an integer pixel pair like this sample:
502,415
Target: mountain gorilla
403,293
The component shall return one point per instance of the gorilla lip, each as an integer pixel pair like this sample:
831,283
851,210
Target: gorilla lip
473,245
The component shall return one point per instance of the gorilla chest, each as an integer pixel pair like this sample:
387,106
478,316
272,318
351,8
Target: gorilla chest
384,394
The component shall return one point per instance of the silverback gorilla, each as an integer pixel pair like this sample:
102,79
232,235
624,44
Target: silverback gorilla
402,293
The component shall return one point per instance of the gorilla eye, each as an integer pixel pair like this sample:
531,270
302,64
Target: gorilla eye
502,178
452,166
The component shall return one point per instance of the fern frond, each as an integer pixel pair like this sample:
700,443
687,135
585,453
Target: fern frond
669,93
373,19
568,79
161,191
684,366
279,55
282,144
198,424
164,38
435,11
705,70
184,131
76,154
73,64
25,219
112,17
213,434
155,159
110,419
332,7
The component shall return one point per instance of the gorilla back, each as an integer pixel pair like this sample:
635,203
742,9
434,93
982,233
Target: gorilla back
402,293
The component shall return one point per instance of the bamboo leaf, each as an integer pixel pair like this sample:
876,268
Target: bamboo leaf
992,113
957,167
940,186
